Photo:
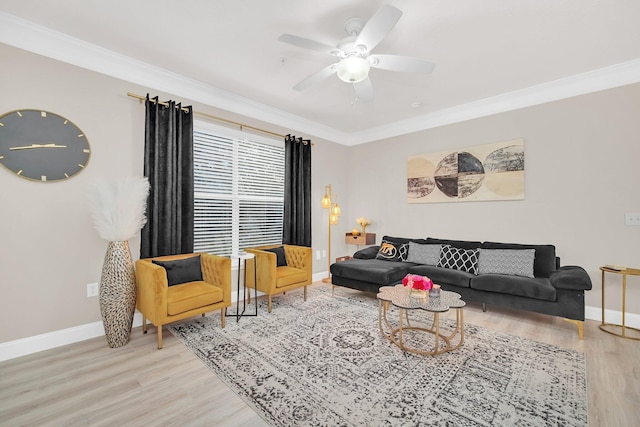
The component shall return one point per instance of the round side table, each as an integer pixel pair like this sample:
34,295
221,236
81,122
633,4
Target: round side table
612,328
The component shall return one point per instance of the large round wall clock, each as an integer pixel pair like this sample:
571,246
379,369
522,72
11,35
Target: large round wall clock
42,146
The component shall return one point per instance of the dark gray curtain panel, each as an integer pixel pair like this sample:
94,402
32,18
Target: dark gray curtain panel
168,164
297,192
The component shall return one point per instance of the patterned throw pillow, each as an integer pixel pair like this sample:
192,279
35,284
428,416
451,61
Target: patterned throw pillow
459,259
424,254
517,262
390,251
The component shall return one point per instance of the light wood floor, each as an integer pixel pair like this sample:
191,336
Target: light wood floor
88,383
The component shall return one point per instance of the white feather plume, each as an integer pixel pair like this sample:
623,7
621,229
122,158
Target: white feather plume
118,207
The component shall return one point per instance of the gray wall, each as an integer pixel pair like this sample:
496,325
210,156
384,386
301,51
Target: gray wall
580,180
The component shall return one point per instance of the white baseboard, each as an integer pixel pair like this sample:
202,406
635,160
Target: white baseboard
24,346
37,343
612,316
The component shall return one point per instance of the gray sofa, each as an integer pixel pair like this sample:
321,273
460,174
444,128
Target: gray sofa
518,276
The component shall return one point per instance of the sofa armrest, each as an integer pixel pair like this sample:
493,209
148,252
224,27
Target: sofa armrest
571,277
216,270
367,253
265,265
151,289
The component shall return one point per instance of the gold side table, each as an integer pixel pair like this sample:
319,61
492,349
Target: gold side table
612,327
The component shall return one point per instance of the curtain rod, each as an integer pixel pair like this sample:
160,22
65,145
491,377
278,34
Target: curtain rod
209,116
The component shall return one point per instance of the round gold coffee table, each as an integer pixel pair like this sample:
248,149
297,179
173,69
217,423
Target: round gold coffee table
398,296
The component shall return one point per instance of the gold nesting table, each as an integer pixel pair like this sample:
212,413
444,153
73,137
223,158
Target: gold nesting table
443,341
613,328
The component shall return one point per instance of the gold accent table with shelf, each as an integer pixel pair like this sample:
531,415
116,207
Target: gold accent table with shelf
608,326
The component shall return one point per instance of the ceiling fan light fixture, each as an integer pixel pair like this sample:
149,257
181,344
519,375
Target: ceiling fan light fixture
353,69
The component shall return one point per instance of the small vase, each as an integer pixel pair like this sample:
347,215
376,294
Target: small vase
364,230
117,293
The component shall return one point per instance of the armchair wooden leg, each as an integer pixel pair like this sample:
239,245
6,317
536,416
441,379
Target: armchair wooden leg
269,305
144,325
248,297
159,337
305,293
222,317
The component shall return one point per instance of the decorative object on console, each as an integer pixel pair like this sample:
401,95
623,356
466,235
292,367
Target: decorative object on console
355,232
42,146
118,211
364,223
483,172
334,212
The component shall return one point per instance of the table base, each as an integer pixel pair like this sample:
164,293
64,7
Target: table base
611,328
395,335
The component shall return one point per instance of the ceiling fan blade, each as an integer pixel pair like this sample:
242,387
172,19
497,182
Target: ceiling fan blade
316,78
308,44
364,90
405,64
378,26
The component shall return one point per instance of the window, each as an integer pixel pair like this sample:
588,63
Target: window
239,190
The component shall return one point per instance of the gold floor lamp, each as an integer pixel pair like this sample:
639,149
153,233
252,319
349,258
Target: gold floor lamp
329,201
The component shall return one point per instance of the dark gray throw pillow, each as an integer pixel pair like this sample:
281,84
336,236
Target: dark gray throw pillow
182,270
281,259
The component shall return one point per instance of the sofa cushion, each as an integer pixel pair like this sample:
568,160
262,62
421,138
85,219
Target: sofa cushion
517,262
391,251
281,258
545,259
441,275
371,270
367,253
459,259
182,270
464,244
537,288
424,254
286,276
393,239
192,295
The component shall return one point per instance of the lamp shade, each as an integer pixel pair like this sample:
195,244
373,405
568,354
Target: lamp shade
353,69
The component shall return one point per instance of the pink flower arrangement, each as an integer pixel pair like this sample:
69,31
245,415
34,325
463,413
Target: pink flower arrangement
413,281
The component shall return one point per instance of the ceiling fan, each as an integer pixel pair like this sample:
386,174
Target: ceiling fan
354,53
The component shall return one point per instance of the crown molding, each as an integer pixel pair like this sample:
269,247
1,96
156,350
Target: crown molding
43,41
26,35
593,81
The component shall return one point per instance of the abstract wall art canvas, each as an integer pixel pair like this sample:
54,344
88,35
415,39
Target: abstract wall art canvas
483,172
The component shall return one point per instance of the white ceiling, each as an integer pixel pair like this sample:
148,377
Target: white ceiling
490,55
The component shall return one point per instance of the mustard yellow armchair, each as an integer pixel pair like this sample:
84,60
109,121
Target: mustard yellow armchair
273,279
161,301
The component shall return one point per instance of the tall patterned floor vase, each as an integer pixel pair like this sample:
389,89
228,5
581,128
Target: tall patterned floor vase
117,293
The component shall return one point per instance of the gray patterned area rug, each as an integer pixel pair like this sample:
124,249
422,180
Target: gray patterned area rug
323,362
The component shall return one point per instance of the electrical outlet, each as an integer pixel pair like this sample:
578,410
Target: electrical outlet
632,219
318,255
92,290
324,253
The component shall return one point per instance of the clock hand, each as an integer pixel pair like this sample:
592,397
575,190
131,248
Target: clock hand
28,147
